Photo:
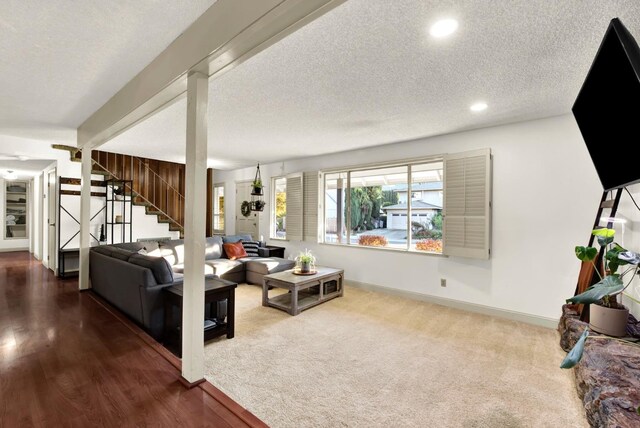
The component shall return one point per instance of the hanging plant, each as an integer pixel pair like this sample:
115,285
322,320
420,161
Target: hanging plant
257,183
245,208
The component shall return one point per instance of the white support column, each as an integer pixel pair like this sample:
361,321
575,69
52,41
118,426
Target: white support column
194,229
85,219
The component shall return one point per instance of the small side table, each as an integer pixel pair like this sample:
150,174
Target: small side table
63,255
275,251
215,290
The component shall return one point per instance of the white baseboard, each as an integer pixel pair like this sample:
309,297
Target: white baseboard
457,304
11,250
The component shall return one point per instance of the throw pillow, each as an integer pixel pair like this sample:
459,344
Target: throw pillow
251,248
234,250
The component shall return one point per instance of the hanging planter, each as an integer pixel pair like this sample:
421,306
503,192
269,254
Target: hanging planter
257,188
257,183
257,203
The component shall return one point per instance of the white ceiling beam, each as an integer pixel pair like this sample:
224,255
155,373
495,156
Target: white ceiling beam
228,33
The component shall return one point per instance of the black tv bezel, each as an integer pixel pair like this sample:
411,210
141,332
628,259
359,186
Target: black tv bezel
632,50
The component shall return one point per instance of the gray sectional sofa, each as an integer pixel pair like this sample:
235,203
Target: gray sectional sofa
131,276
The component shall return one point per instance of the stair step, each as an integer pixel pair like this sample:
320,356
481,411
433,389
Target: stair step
77,182
78,193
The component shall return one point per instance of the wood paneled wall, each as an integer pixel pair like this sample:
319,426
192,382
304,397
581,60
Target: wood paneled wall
161,183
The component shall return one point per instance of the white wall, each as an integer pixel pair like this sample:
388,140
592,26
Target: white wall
144,226
545,196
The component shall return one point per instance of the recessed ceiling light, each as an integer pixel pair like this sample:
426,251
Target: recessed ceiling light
443,28
10,175
479,106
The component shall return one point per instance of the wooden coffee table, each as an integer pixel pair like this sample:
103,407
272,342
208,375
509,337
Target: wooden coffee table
305,291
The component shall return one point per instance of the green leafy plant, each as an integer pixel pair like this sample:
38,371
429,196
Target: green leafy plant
257,184
612,283
306,257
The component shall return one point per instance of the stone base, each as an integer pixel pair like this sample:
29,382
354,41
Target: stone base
607,377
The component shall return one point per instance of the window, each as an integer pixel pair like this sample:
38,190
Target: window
370,206
218,208
279,210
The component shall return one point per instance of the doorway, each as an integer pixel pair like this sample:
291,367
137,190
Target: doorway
50,260
249,225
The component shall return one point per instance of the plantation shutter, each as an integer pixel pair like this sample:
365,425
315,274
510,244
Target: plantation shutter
310,212
467,204
295,206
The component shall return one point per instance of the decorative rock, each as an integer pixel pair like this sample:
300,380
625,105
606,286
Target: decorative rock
570,327
607,377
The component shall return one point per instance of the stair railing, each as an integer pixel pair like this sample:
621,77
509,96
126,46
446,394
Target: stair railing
154,198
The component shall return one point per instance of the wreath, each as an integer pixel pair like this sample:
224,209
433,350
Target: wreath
245,208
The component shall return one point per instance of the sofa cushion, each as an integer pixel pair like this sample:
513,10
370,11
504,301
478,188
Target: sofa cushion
150,246
102,249
173,251
222,266
251,248
267,265
113,251
130,246
213,249
234,250
179,268
120,253
236,238
159,266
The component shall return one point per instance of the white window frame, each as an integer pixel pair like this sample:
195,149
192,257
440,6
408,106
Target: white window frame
272,212
219,215
482,254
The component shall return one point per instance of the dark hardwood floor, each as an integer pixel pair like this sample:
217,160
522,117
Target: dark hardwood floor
67,359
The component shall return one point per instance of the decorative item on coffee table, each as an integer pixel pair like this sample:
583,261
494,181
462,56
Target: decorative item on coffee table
305,263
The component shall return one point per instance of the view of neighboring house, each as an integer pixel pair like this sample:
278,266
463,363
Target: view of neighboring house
426,201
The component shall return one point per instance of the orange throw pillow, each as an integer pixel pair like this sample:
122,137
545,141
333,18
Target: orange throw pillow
234,250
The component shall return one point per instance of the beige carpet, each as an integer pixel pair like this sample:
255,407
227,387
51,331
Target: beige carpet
373,360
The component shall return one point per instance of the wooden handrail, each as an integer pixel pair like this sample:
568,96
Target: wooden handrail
147,199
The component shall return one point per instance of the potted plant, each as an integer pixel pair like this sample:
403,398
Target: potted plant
118,192
607,315
306,261
258,205
257,187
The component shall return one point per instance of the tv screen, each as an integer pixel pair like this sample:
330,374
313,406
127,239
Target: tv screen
607,109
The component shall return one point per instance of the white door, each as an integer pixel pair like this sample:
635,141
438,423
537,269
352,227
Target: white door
51,222
246,225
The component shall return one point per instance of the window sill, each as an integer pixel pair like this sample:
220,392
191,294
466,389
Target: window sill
387,249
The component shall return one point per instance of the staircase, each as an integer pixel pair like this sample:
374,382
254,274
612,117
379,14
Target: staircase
161,198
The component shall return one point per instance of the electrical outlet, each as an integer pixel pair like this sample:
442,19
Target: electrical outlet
443,282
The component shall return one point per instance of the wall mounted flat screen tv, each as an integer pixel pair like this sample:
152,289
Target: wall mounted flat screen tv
607,109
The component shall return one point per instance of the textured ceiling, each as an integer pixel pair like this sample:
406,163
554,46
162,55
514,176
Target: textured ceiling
25,168
368,73
62,60
364,74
